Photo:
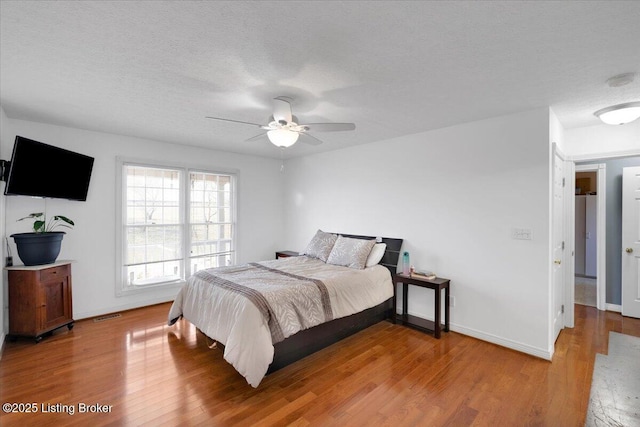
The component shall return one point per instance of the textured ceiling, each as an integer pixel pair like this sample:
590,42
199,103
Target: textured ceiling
156,69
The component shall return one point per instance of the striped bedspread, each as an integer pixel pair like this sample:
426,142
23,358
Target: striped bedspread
288,302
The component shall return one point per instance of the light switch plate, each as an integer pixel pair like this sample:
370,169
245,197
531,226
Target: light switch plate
522,234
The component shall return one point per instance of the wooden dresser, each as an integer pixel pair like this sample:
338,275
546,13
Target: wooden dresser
39,299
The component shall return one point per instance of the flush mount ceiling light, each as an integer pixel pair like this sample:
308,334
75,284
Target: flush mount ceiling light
622,113
619,114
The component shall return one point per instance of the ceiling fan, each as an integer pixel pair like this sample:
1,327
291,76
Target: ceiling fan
283,129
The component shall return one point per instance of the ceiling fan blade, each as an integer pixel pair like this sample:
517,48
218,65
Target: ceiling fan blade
328,127
254,138
234,121
309,139
282,109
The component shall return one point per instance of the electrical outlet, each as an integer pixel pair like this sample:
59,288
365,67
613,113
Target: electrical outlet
452,301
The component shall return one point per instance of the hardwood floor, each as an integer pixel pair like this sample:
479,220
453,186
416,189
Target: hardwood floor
152,374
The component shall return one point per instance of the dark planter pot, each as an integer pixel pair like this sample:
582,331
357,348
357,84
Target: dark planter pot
38,248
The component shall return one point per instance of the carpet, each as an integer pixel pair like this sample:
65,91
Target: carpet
585,293
615,387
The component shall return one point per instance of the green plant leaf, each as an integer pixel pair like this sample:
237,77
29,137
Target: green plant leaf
41,226
38,226
65,219
33,215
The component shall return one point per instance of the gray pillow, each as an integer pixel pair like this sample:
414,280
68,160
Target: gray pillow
320,246
350,252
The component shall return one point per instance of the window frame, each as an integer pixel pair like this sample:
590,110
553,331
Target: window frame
123,287
232,206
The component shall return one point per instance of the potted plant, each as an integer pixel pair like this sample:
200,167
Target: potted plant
42,246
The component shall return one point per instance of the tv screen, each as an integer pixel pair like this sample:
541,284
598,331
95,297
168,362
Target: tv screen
42,170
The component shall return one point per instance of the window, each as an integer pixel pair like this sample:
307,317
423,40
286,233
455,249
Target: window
211,220
168,209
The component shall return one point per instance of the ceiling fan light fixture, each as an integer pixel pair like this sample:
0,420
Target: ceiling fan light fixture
619,114
282,137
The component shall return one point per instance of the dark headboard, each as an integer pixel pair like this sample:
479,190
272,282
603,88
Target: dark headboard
391,254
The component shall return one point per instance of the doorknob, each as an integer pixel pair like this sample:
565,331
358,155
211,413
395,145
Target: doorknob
629,250
557,262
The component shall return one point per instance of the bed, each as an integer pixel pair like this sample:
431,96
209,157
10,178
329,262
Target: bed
269,314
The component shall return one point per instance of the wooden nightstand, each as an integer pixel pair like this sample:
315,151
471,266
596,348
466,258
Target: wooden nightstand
437,284
286,254
39,299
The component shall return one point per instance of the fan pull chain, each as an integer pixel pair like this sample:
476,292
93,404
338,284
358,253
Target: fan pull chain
282,159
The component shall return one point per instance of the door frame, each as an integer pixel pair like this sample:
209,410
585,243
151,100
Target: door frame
569,232
601,233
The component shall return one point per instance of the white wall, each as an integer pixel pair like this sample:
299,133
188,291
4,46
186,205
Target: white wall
91,244
454,195
601,141
556,132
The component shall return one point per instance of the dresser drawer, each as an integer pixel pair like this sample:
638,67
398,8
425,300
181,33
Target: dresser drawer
54,273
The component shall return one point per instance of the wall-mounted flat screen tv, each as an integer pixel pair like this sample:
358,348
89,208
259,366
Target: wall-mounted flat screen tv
42,170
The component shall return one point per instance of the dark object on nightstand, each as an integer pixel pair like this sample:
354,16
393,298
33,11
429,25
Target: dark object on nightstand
437,284
286,254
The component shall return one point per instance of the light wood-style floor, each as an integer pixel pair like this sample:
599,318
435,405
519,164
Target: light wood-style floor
152,374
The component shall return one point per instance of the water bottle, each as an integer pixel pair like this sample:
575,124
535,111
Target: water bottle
406,264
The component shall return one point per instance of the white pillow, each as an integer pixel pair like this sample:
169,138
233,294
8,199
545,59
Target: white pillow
350,252
376,254
320,246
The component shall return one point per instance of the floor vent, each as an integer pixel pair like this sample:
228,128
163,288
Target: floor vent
107,317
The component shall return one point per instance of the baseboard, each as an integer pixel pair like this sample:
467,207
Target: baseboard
494,339
130,306
513,345
613,307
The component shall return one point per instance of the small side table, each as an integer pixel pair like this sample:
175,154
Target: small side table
438,284
39,299
286,254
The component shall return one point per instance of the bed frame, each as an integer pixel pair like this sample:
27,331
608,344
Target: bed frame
318,337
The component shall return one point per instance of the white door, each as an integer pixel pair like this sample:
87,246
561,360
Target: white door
631,242
558,245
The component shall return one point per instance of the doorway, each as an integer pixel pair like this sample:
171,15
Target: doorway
586,238
589,235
